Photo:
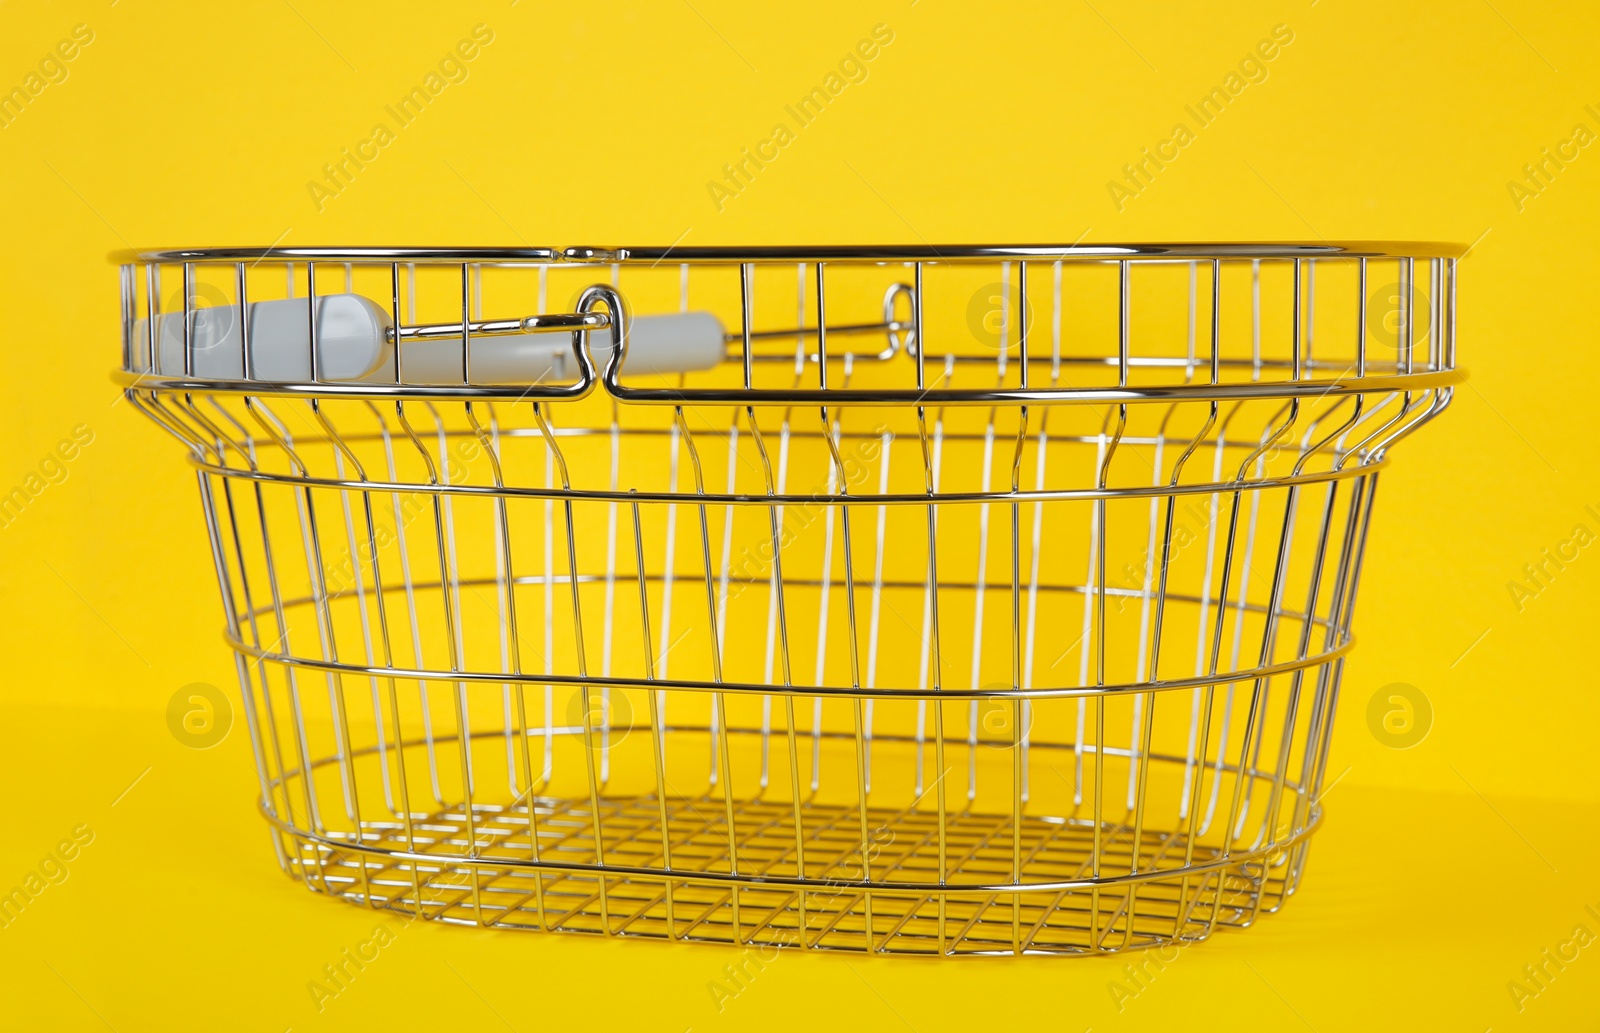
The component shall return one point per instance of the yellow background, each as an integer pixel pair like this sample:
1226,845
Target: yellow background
1442,870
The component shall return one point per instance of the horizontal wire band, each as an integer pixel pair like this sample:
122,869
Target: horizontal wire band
458,861
713,499
879,252
762,689
529,580
1284,390
535,733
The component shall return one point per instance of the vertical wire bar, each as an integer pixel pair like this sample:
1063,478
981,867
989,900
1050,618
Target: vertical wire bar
822,330
313,337
881,547
583,667
401,779
1262,686
1303,800
1311,314
1124,332
978,595
720,718
1215,659
297,713
746,306
656,729
980,581
466,323
1161,605
404,788
1204,699
1449,332
1016,727
362,603
510,627
1410,308
1246,569
827,552
336,694
1435,313
1140,791
1098,855
188,319
129,289
1037,541
777,629
1340,603
1191,757
1124,321
857,707
401,545
777,605
916,326
607,631
1018,790
669,550
1285,748
930,474
312,550
452,616
552,459
719,709
270,719
1337,628
930,466
247,361
450,576
1248,765
1100,647
1043,446
1085,636
1255,319
725,563
384,639
824,597
151,313
231,614
514,711
1139,701
394,305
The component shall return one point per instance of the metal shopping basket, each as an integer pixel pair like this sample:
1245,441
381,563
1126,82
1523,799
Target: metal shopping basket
924,600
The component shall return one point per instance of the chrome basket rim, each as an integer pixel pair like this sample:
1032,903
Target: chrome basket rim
1110,251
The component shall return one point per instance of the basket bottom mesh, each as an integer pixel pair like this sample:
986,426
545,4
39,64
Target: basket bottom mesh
500,889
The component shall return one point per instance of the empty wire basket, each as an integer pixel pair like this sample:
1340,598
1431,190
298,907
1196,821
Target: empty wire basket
958,600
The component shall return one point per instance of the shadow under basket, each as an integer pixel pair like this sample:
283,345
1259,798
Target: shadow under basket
969,600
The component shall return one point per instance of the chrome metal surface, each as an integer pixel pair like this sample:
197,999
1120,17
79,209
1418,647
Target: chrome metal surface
985,600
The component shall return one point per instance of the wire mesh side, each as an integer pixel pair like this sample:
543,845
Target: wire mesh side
1035,675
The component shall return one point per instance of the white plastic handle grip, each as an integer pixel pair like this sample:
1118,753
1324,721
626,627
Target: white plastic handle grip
352,340
353,344
678,343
